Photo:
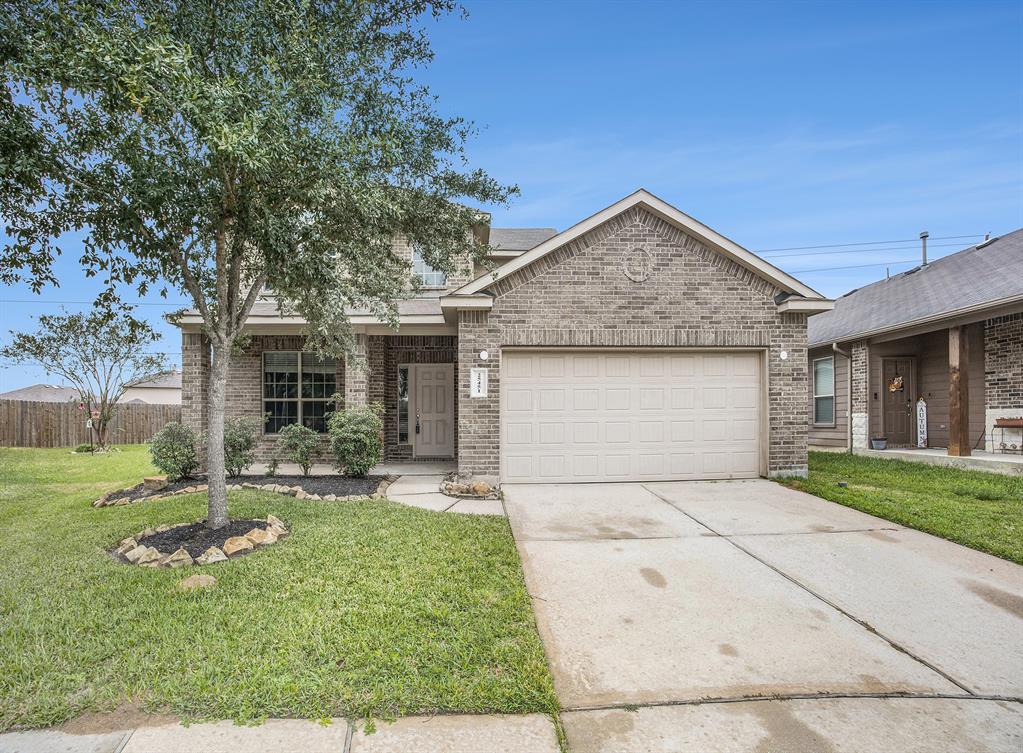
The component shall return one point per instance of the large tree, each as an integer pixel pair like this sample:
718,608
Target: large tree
217,147
101,355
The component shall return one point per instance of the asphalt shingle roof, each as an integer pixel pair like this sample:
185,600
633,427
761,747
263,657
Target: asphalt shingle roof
972,277
45,393
519,238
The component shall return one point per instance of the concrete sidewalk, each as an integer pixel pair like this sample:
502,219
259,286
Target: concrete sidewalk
533,733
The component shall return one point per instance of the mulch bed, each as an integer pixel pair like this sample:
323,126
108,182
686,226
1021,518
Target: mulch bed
139,490
197,538
340,486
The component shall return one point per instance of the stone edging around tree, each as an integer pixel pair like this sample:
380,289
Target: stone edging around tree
134,551
294,491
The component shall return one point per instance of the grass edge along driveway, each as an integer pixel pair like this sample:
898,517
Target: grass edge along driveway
983,511
367,609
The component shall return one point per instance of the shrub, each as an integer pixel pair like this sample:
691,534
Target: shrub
297,443
355,439
174,451
83,448
271,465
239,444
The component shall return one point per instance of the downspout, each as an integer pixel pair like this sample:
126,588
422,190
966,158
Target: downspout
848,396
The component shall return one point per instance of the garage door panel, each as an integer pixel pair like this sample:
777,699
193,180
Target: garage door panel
601,416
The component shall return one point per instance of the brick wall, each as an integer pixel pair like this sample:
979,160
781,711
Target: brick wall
860,396
579,296
409,349
1003,376
195,373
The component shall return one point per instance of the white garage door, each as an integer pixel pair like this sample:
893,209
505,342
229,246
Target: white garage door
629,416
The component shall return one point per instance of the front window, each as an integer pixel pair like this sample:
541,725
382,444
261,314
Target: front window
824,390
402,404
428,276
297,388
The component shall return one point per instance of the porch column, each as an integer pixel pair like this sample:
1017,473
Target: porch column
356,379
958,392
860,399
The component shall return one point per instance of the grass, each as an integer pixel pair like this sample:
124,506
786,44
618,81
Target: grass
980,510
367,609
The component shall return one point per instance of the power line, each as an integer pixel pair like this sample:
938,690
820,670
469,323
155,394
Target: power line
863,250
89,303
868,243
855,266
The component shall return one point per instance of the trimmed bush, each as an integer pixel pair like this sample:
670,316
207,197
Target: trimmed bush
174,451
84,448
355,439
239,444
297,443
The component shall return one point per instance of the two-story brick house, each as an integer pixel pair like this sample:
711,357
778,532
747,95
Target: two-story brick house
638,344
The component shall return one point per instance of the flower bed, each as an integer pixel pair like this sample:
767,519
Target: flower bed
195,544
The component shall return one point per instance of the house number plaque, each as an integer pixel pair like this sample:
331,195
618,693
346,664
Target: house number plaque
477,382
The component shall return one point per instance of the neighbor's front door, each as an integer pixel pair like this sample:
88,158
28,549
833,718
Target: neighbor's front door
897,396
434,386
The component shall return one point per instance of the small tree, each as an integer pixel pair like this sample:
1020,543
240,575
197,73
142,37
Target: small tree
215,148
100,355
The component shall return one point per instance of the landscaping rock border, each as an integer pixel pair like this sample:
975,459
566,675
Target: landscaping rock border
467,486
294,491
134,551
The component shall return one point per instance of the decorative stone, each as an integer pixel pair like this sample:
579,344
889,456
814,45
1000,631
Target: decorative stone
330,498
201,487
480,488
270,538
300,494
211,555
273,520
154,483
315,497
374,495
257,536
149,558
126,546
134,555
197,582
248,485
161,529
237,545
180,558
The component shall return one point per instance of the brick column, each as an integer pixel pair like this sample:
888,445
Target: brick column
860,397
195,379
356,367
1003,377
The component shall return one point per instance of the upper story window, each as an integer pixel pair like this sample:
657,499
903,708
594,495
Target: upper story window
824,390
428,276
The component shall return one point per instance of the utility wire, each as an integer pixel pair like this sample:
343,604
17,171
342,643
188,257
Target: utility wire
855,266
862,250
868,243
89,303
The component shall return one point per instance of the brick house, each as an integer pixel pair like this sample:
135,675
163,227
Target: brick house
950,333
638,344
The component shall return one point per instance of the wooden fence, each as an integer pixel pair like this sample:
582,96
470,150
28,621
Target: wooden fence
28,423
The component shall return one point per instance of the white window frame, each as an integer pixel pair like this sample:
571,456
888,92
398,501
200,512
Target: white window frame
430,278
813,379
297,399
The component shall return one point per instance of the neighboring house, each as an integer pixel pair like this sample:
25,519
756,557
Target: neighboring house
950,332
164,389
638,344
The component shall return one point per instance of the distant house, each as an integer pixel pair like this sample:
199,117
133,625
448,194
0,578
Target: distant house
950,332
164,389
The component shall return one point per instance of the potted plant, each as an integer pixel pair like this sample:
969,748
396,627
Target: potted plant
879,443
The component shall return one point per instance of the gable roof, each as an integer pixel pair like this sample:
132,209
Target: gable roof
512,239
985,275
666,212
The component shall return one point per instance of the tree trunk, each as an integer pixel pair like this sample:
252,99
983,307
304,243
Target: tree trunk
217,475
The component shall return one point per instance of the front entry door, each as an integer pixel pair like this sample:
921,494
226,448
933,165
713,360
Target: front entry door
898,387
435,410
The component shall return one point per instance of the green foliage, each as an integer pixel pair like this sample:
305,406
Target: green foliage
240,436
271,465
356,439
173,450
297,444
100,353
979,510
84,448
372,608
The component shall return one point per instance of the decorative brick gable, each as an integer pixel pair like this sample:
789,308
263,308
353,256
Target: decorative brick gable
688,296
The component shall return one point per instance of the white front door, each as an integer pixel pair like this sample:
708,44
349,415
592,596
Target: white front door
434,389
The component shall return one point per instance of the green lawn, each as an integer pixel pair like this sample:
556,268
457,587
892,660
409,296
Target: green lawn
367,608
979,510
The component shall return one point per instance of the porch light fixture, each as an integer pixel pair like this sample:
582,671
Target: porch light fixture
484,355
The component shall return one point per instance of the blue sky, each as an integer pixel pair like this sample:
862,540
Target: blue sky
778,124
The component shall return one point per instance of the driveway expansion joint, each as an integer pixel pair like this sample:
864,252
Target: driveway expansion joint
862,623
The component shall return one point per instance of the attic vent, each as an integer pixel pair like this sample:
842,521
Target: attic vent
912,271
987,243
849,293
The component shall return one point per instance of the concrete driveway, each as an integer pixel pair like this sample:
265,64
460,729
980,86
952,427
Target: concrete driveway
666,607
